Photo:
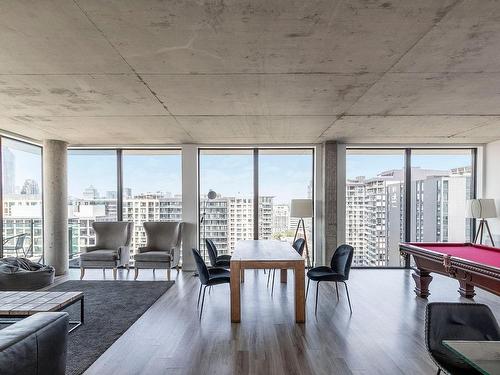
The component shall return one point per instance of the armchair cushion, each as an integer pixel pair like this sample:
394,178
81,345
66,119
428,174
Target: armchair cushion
153,256
100,255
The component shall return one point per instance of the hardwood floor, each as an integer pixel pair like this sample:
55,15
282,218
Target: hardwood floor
384,335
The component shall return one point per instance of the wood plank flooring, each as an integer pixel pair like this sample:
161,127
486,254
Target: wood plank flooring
384,335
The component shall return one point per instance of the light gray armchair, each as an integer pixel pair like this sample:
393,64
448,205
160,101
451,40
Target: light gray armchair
112,248
163,247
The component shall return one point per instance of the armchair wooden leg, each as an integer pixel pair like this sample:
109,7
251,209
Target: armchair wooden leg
114,273
307,289
168,274
82,272
136,273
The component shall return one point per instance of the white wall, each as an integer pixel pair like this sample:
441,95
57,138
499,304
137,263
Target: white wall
491,183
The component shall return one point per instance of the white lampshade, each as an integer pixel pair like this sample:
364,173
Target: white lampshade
481,208
301,208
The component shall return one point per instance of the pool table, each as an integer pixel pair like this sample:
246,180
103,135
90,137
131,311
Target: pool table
472,265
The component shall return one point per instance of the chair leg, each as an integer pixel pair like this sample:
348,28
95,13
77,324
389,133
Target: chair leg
114,273
316,305
337,289
268,278
82,272
272,286
307,289
199,296
203,301
127,267
168,274
136,273
348,299
154,271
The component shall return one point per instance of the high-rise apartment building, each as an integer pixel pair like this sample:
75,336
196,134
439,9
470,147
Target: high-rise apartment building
375,212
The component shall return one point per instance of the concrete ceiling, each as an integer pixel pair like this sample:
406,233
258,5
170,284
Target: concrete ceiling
265,71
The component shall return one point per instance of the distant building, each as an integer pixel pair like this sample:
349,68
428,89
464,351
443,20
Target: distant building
90,193
8,171
281,218
375,212
30,187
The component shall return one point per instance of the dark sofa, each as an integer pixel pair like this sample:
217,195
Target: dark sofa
35,345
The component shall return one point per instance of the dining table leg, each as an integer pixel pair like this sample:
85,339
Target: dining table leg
235,291
283,275
300,306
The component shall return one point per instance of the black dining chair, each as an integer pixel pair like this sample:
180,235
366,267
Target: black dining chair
299,246
215,259
208,276
457,321
338,272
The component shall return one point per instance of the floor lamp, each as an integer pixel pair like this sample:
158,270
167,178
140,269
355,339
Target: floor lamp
482,209
210,196
302,208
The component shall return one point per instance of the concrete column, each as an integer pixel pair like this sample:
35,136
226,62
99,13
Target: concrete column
333,203
189,205
55,205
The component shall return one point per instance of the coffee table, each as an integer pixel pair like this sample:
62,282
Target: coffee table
18,305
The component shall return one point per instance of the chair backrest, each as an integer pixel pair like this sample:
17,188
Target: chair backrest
20,241
212,251
457,321
112,234
342,260
201,266
299,245
163,235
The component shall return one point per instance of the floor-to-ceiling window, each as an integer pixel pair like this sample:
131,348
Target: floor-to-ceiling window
407,194
442,182
246,194
284,175
152,188
226,197
92,195
22,199
375,206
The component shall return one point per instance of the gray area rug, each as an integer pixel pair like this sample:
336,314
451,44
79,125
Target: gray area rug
111,307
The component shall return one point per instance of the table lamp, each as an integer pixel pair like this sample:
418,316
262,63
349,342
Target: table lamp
481,209
302,208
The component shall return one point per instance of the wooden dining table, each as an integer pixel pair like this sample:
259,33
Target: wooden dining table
266,254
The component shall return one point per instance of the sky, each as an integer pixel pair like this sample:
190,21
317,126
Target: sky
283,176
370,165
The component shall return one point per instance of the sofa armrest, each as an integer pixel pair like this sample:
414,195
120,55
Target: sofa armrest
124,254
142,249
37,344
88,249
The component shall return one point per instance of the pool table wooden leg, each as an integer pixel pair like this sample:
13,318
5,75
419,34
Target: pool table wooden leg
466,290
422,280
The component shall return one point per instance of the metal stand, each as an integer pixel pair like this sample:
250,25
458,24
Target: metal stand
301,221
479,234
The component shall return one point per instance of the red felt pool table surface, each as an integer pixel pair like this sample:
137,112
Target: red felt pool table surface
476,253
